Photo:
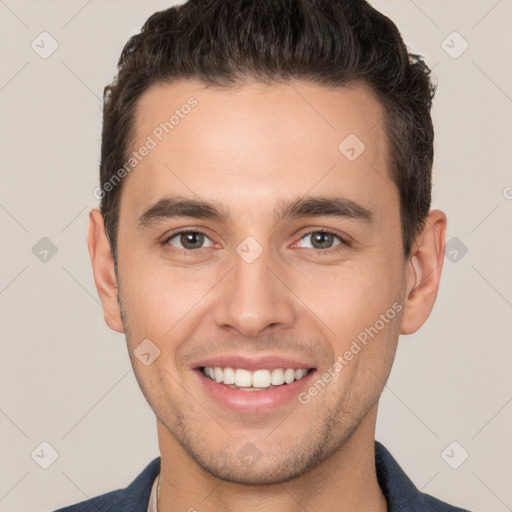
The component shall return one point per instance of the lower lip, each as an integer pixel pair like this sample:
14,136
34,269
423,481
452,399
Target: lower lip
254,401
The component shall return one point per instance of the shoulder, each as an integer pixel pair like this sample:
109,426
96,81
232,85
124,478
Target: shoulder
400,492
134,498
434,505
106,502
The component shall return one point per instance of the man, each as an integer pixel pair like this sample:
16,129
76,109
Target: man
264,237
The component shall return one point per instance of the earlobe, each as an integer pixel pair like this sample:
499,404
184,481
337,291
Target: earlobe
103,269
423,272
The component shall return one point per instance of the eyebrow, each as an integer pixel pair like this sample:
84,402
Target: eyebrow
340,207
171,207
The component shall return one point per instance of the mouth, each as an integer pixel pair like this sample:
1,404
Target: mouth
253,391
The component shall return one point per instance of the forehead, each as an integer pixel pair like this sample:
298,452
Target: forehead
256,142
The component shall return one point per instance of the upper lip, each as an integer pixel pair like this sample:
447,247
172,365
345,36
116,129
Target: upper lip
253,363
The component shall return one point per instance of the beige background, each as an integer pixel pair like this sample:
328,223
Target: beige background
65,378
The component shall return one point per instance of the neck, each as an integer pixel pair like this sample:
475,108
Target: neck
344,482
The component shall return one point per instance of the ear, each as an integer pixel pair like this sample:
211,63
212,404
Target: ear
423,272
103,269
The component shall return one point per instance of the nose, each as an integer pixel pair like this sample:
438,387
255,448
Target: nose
252,299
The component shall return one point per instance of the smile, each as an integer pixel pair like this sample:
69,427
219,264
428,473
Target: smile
253,392
258,380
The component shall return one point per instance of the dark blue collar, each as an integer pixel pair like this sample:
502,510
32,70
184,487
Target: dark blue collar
401,494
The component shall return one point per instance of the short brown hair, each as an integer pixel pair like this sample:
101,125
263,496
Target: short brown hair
325,42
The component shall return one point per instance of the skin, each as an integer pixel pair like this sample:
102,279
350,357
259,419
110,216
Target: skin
249,148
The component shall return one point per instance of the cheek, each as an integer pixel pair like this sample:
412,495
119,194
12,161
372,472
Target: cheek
364,350
360,305
349,297
158,300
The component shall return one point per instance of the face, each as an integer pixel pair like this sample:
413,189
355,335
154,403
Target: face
250,239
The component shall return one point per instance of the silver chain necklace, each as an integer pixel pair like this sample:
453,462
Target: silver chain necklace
157,493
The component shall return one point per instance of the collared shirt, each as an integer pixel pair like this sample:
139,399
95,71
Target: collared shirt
400,493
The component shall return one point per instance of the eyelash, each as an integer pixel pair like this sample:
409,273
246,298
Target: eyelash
343,242
184,251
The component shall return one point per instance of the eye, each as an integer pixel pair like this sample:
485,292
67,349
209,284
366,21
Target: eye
189,240
320,240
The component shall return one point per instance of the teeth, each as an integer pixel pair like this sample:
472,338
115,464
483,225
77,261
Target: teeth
289,375
253,381
277,377
261,379
242,378
228,376
299,374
